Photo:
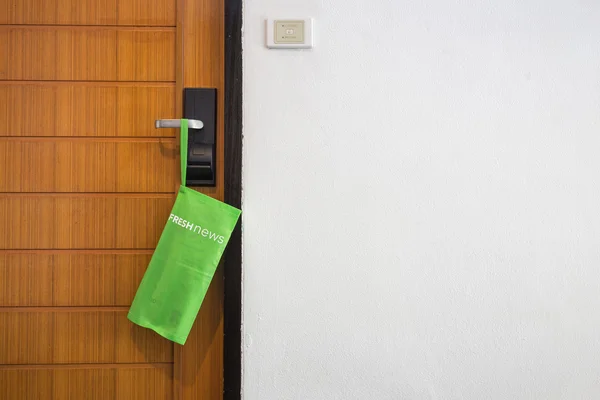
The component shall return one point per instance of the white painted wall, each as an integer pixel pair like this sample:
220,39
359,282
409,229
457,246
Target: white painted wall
422,202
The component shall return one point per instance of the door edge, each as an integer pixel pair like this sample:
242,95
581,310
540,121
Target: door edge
232,319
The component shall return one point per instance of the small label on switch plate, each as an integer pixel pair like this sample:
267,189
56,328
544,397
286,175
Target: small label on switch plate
289,33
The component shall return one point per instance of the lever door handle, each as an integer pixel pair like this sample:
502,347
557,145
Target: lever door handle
176,123
200,109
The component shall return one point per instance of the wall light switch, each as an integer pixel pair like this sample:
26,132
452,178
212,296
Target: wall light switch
290,33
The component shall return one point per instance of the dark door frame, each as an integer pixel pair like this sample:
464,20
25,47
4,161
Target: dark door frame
232,341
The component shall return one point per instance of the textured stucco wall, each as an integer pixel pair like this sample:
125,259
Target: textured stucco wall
422,202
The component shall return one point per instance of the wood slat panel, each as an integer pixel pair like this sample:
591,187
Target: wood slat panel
138,107
83,337
144,12
150,383
58,53
87,166
68,222
130,270
145,222
25,337
85,12
46,280
90,221
157,384
70,337
84,384
97,54
146,56
203,65
88,12
26,280
26,384
207,334
81,279
84,109
141,345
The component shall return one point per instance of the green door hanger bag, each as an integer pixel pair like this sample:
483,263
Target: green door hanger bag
184,262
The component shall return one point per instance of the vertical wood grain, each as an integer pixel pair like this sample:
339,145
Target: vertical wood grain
84,384
130,271
149,346
71,77
157,384
84,337
148,63
26,280
50,53
86,54
85,109
88,12
71,12
143,12
64,280
139,231
139,106
76,337
26,384
149,383
204,66
82,222
84,280
202,25
87,166
27,337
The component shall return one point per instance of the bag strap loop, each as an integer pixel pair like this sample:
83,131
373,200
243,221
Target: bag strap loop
183,138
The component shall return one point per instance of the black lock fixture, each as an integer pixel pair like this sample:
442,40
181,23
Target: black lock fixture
201,104
200,108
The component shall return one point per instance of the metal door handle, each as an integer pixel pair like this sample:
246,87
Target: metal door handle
200,109
176,123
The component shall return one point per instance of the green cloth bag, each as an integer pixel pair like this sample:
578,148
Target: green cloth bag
184,262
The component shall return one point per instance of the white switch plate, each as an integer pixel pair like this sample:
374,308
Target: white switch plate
290,33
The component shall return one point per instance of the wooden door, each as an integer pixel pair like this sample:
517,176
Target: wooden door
86,185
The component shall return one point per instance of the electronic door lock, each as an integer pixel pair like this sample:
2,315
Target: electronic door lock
200,109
